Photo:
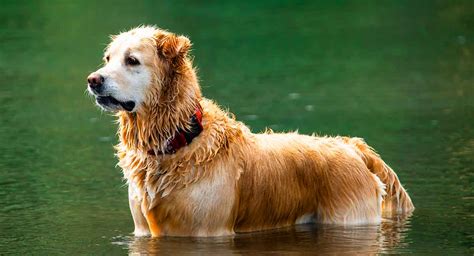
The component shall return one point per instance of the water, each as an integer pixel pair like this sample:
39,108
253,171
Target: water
398,73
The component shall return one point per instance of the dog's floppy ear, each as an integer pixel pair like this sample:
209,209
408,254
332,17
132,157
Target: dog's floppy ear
171,46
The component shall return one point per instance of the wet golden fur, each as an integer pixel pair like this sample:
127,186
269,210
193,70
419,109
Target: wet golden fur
229,179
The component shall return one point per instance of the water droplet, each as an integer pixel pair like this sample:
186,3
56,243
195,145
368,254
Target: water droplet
294,96
251,117
461,39
105,139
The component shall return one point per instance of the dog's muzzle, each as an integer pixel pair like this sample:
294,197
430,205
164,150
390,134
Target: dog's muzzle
95,82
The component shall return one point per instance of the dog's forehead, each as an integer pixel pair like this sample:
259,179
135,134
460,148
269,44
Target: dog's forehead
134,40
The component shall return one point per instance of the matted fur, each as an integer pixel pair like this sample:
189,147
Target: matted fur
229,179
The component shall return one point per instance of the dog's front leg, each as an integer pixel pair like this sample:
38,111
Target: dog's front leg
141,225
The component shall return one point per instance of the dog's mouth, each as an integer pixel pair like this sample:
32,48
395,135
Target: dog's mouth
111,103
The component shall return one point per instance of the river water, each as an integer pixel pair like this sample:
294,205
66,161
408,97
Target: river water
397,73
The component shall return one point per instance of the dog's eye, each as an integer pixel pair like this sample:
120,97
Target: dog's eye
132,61
107,58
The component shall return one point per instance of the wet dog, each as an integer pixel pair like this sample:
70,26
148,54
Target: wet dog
193,170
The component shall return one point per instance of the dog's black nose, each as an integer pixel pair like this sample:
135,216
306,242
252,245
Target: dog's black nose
95,81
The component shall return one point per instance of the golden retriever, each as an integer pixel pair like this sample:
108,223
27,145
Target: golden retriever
193,170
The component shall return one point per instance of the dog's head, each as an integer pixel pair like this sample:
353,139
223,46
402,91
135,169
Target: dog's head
136,65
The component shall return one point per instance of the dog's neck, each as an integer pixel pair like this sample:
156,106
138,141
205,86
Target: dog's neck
154,124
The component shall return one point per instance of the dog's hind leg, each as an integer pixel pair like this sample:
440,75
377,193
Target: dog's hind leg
356,205
397,199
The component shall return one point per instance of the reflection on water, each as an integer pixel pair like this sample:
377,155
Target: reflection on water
321,239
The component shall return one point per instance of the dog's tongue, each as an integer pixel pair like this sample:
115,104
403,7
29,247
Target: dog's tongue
128,105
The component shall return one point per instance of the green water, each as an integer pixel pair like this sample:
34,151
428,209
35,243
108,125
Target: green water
398,73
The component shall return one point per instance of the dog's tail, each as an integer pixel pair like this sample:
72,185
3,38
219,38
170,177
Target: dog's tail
397,199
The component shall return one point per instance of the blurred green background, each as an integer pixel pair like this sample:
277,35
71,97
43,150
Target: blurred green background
397,73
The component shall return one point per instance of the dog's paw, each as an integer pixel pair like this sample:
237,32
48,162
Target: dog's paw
141,233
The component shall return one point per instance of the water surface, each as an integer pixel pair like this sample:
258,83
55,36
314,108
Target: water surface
397,73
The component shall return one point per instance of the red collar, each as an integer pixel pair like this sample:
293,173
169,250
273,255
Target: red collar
183,138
